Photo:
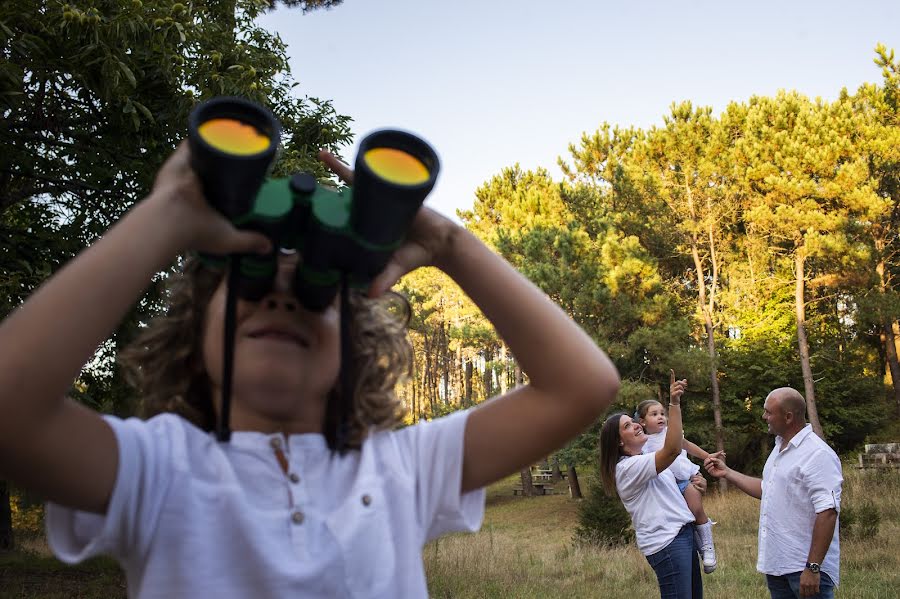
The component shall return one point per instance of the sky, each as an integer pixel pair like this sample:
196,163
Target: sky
493,83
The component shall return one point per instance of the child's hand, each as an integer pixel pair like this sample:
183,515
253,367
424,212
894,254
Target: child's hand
699,483
676,388
428,240
197,224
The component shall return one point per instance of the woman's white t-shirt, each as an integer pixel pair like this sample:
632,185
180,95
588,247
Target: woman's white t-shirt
191,517
683,468
656,506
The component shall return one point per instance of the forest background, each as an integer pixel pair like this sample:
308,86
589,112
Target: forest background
746,249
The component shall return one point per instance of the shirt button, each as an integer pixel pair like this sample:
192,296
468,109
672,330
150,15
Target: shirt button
295,478
275,442
297,517
366,500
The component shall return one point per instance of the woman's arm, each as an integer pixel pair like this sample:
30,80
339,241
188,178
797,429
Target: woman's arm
52,445
671,448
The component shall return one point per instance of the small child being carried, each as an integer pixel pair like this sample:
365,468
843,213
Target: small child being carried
652,416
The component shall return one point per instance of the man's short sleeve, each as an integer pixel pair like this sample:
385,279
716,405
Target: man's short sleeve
142,481
434,451
633,473
824,479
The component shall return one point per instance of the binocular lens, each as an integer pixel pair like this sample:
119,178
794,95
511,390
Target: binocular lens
233,137
396,166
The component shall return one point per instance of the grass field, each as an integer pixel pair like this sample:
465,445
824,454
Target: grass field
525,550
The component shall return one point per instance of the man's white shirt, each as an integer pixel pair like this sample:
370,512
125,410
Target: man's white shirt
798,483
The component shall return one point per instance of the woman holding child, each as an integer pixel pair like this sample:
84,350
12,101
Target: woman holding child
663,523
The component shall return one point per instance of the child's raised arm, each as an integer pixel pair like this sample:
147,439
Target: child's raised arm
572,381
671,448
48,443
695,450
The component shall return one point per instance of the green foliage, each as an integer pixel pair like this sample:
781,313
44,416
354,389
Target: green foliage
602,520
860,521
94,97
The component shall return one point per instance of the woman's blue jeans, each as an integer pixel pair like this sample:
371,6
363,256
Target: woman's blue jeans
678,568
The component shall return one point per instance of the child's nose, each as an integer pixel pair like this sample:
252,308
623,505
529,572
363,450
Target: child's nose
287,267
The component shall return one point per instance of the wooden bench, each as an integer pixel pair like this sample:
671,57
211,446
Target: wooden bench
539,489
880,455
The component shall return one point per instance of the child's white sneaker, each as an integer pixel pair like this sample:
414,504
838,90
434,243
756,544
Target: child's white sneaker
708,553
704,539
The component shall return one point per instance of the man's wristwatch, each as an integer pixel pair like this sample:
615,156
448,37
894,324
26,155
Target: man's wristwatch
813,567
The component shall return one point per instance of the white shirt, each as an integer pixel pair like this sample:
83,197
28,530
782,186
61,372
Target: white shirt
191,517
798,483
656,506
683,468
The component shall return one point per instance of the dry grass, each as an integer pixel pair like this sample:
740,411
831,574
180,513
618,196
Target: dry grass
525,550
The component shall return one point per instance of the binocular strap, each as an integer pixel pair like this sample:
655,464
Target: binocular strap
223,427
347,374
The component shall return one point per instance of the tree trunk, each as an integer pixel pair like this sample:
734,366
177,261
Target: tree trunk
574,487
467,401
504,370
800,306
488,378
890,350
527,486
707,311
6,531
890,345
556,473
714,388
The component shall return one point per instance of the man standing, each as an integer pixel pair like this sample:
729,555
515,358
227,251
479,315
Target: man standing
801,497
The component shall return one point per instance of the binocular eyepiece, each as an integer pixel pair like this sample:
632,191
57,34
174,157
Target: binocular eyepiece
348,233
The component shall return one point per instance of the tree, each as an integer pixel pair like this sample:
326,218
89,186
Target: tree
801,166
94,99
879,211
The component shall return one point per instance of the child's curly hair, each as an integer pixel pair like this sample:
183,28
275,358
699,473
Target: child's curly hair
165,363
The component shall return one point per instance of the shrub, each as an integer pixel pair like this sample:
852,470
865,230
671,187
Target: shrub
859,521
602,520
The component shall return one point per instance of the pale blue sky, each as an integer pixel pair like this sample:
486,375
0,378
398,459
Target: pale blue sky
492,83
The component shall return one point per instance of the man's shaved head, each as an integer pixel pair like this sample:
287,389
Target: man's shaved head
790,401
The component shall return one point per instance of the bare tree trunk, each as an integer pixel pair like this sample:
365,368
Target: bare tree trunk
556,473
488,378
707,311
574,487
504,370
527,486
800,306
890,345
6,532
467,397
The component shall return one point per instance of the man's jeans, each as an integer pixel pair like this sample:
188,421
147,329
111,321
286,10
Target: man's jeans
677,567
787,586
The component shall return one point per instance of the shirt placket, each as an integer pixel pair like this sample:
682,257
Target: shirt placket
295,494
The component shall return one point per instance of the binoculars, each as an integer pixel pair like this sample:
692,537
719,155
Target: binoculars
340,234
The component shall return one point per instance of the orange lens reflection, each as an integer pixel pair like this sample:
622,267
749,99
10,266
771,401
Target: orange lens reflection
233,137
396,166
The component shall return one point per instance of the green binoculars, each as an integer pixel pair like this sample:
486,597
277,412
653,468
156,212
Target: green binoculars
347,235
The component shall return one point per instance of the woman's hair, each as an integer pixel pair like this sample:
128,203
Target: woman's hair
610,452
644,407
165,363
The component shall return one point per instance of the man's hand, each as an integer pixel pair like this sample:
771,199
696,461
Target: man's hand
715,464
809,583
